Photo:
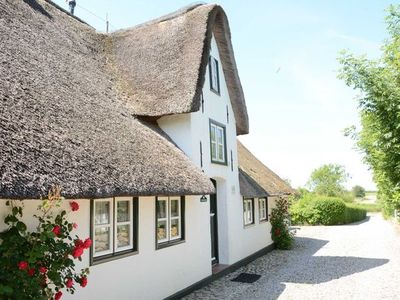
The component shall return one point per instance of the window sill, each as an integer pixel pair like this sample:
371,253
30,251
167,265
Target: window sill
219,163
110,257
263,221
249,225
169,244
215,92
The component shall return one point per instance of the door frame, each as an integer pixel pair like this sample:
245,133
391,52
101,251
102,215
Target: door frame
214,233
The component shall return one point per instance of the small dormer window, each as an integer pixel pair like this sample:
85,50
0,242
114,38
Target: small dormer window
214,75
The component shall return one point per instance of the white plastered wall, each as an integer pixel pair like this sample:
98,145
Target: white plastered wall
235,241
150,274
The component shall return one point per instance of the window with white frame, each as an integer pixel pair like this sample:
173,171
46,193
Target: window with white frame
263,209
248,211
217,143
114,226
170,217
214,74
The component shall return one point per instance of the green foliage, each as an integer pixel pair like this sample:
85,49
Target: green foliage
279,219
37,264
323,210
369,207
379,107
328,180
354,213
358,191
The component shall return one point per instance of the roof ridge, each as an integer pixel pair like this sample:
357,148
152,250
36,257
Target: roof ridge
181,11
67,12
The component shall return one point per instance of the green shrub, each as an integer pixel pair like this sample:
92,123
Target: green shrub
280,231
322,210
331,211
354,213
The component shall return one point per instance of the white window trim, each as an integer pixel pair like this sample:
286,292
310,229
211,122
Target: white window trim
262,209
248,210
169,219
215,156
113,225
130,223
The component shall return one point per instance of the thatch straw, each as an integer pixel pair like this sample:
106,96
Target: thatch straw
265,178
164,62
62,122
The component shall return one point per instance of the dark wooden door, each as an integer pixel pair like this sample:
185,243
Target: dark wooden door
214,226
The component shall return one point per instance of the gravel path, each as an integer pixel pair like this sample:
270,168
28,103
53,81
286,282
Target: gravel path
359,261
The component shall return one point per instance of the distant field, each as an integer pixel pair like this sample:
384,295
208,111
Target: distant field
369,202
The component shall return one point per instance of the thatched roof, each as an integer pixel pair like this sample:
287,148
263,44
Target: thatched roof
249,188
62,121
265,178
163,62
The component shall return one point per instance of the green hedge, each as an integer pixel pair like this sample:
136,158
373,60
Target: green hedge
322,210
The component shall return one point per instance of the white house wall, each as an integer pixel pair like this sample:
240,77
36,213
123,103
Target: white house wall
235,241
150,274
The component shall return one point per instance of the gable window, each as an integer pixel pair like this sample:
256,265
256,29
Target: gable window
263,209
248,211
170,213
114,229
217,143
214,74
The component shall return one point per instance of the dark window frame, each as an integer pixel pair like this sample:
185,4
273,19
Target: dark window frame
94,260
210,59
252,212
225,162
266,210
170,243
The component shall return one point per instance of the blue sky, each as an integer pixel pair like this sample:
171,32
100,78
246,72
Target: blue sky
286,54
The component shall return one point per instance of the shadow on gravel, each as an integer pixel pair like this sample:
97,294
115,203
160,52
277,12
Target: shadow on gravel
36,6
305,268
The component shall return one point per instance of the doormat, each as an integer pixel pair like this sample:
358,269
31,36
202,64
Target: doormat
246,278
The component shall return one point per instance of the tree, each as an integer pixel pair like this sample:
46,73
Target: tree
328,180
358,191
379,109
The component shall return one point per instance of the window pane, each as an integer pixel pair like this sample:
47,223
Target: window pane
123,236
213,133
123,211
174,208
102,212
213,151
102,239
174,228
161,209
220,152
161,230
220,134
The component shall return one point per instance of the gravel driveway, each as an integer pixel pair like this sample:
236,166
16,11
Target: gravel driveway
359,261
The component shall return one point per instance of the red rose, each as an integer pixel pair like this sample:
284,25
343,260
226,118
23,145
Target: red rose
75,226
42,270
22,265
58,295
69,283
57,230
77,252
74,205
78,243
83,281
31,272
87,243
277,232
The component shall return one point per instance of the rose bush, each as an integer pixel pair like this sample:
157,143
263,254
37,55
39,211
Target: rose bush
279,219
39,264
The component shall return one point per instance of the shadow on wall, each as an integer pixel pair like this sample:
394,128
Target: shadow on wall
303,267
36,6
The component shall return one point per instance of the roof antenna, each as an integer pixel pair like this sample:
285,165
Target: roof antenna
107,23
